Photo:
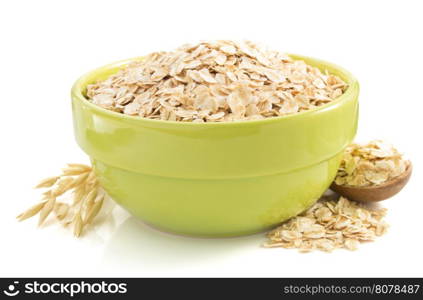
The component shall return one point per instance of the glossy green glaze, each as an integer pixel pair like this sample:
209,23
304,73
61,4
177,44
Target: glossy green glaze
216,179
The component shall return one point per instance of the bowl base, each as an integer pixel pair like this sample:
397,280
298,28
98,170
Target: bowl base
217,208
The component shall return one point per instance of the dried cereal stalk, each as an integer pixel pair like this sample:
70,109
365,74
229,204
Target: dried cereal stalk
48,182
46,210
86,200
94,210
328,225
78,225
61,210
32,211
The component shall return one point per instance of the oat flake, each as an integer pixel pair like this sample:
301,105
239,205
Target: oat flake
329,224
370,164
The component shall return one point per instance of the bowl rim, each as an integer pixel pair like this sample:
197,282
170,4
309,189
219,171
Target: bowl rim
80,85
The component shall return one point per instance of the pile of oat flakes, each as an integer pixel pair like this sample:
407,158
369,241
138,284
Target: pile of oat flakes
370,164
329,224
215,82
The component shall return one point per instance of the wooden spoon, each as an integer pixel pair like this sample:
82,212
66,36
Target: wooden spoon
374,193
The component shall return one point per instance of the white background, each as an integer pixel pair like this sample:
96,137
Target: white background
46,45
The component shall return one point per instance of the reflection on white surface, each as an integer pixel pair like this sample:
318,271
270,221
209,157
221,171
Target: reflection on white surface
136,245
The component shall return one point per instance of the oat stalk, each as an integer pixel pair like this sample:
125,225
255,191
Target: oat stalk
80,209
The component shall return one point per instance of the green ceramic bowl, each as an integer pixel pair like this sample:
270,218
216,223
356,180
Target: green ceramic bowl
216,179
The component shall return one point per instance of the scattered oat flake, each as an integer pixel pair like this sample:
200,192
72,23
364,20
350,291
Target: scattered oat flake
329,224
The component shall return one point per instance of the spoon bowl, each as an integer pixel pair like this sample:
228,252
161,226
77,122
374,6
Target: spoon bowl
374,193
